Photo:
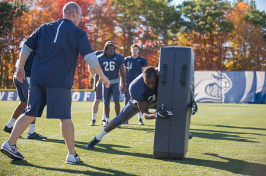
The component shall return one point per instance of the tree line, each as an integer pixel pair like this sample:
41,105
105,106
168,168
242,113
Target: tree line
223,35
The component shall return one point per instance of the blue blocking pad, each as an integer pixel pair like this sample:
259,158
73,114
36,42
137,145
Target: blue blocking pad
175,93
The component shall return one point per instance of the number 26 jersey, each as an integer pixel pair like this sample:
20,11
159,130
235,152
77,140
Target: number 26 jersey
110,66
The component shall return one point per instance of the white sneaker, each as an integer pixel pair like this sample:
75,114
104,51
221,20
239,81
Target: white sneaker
92,123
71,159
141,122
11,151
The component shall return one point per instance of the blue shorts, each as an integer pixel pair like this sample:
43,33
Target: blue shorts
99,92
127,113
22,88
58,101
108,92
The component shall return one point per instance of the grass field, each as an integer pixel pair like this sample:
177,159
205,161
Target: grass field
228,139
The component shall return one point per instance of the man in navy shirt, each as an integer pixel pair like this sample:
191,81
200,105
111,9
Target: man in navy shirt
112,64
22,90
143,92
56,45
134,66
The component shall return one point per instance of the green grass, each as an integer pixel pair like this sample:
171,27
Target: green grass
228,139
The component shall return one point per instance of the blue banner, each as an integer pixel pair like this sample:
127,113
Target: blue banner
230,86
76,96
210,86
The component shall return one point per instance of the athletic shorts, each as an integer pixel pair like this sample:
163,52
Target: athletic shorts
22,88
58,101
99,92
127,113
108,92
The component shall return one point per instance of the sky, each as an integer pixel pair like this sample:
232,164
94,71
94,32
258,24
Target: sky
261,4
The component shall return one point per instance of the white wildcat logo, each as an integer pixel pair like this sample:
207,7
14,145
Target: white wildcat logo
216,85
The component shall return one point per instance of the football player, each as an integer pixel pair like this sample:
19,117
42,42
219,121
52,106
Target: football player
22,90
143,93
112,65
134,66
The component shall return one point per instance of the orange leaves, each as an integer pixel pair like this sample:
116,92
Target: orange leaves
243,6
246,40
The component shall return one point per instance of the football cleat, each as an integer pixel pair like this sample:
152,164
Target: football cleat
92,123
141,122
118,126
11,151
71,159
8,130
92,143
35,136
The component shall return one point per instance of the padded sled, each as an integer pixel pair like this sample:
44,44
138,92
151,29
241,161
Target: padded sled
176,79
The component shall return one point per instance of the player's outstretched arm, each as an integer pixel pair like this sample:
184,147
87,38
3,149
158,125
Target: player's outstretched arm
21,72
123,78
98,70
143,107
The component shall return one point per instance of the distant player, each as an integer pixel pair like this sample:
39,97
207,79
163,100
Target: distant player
22,90
112,64
134,66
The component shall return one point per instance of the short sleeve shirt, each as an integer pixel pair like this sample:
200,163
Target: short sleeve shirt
110,66
134,67
139,91
57,46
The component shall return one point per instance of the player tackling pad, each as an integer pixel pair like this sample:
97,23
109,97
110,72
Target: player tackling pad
175,81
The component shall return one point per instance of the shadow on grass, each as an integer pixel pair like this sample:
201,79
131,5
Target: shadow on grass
244,128
221,135
231,165
110,148
103,148
235,166
146,128
73,171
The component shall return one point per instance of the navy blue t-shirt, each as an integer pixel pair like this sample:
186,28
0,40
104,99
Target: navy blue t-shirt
134,67
139,91
57,45
110,66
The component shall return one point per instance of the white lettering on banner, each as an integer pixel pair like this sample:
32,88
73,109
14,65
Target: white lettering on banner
2,95
86,96
10,96
75,96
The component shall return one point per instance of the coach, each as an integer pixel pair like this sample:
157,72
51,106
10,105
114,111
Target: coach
57,45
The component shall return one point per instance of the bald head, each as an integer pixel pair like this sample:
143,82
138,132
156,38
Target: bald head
70,7
73,12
